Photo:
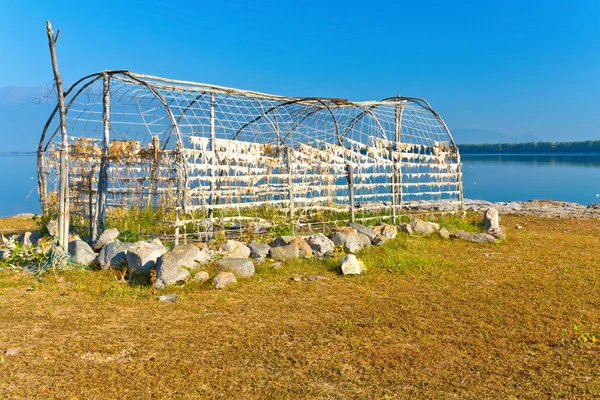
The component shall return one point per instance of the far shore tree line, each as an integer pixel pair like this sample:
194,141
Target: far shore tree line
590,146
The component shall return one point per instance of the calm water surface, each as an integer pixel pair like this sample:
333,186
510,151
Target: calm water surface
493,178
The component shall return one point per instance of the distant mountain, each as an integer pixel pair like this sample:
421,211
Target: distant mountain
23,113
481,136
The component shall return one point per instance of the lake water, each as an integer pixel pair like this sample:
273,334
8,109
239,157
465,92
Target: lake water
493,178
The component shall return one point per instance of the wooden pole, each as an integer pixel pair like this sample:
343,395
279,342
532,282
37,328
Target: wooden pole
213,176
100,218
397,163
350,177
63,205
288,160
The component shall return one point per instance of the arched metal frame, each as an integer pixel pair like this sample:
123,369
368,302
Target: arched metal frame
392,153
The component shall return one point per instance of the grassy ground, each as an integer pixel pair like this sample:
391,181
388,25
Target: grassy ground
14,226
430,319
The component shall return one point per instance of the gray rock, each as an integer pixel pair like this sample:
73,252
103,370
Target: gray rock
474,237
28,239
241,267
406,228
321,244
289,252
349,238
444,234
259,250
491,219
224,279
201,276
388,231
23,216
113,254
108,236
173,266
352,266
282,241
379,240
423,227
52,227
169,298
235,249
12,351
81,253
142,256
370,233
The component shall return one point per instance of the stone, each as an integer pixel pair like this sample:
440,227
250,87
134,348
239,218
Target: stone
349,238
168,298
224,279
321,244
491,219
444,234
24,216
113,255
352,266
28,239
304,250
108,236
12,352
288,252
498,233
379,240
474,237
81,253
173,266
388,231
235,249
370,233
422,227
201,276
52,227
259,250
142,256
406,228
282,241
241,267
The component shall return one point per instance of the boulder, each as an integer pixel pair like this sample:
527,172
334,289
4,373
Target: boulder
235,249
113,254
281,241
289,252
241,267
444,234
406,228
379,240
81,253
28,239
349,238
321,244
259,250
473,237
422,227
186,255
142,256
368,232
223,279
352,266
303,248
108,236
491,219
52,227
201,276
388,231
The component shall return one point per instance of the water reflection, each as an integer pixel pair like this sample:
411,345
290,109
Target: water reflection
536,160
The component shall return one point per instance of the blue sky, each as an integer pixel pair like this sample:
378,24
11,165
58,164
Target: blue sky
515,67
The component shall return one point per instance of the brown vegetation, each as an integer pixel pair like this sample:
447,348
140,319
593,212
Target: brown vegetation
431,319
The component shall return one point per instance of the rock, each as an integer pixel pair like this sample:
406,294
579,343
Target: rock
224,279
259,250
444,234
303,248
202,276
157,242
406,228
491,219
321,244
12,352
108,236
352,266
235,249
81,253
23,216
277,265
349,238
28,239
169,298
288,252
498,233
388,231
473,237
172,267
52,227
281,241
518,226
379,240
142,256
370,233
423,227
241,267
113,254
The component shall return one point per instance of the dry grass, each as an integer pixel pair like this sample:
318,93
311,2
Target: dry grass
13,226
431,319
